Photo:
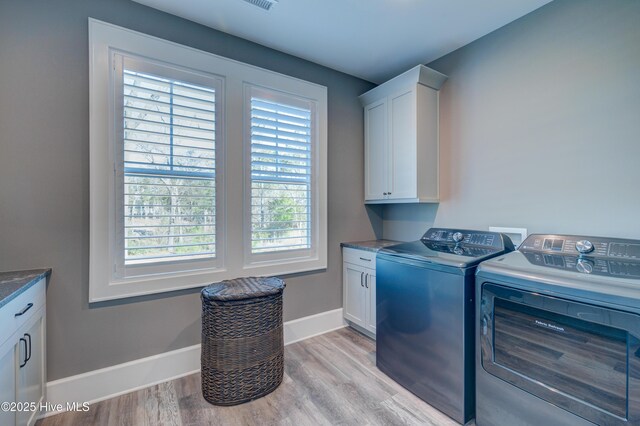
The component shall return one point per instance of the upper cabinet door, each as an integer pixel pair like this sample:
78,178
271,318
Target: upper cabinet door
402,135
376,150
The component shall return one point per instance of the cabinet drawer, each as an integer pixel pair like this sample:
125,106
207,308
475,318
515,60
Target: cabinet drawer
10,322
362,258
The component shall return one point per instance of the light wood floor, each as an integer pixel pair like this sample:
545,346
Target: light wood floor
329,380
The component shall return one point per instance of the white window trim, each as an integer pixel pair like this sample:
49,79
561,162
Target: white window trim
104,39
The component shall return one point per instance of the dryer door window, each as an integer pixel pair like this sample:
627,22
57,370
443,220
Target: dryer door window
583,358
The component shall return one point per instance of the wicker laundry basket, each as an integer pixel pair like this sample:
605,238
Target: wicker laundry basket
242,343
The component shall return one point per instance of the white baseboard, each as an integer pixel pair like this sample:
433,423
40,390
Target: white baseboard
313,325
116,380
120,379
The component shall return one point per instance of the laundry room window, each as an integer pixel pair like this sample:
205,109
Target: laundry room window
166,135
202,168
169,165
282,189
281,172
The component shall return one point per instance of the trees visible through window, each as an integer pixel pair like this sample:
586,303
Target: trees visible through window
169,169
280,176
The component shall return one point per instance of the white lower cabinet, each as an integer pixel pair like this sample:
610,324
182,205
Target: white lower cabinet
30,377
355,306
359,289
7,381
22,357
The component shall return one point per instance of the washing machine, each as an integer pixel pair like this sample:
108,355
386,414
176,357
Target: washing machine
558,333
425,314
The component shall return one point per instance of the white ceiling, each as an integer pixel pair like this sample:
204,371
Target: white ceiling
371,39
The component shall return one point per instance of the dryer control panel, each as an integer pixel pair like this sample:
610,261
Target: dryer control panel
590,255
582,245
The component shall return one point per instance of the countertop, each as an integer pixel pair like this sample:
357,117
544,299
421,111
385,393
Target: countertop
371,245
14,283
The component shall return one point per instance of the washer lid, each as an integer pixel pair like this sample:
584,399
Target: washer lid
452,247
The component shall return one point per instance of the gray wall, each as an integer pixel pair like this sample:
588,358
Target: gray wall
540,126
44,178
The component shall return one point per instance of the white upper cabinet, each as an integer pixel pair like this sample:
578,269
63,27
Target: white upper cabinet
401,138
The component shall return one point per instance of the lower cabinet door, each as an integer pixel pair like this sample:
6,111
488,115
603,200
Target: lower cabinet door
30,375
355,306
371,300
8,381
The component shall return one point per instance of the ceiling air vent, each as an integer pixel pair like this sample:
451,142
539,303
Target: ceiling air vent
264,4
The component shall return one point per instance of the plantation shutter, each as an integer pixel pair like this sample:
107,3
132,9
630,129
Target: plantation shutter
281,175
169,168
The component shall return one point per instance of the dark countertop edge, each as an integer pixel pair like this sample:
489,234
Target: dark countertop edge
38,274
370,245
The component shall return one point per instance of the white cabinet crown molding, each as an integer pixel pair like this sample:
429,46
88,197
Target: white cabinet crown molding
416,75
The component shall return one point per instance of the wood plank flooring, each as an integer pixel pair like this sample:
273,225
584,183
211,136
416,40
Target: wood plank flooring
329,380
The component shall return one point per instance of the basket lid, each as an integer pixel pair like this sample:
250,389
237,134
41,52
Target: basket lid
243,288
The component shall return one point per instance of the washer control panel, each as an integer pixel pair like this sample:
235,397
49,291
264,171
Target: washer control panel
459,249
587,255
493,240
